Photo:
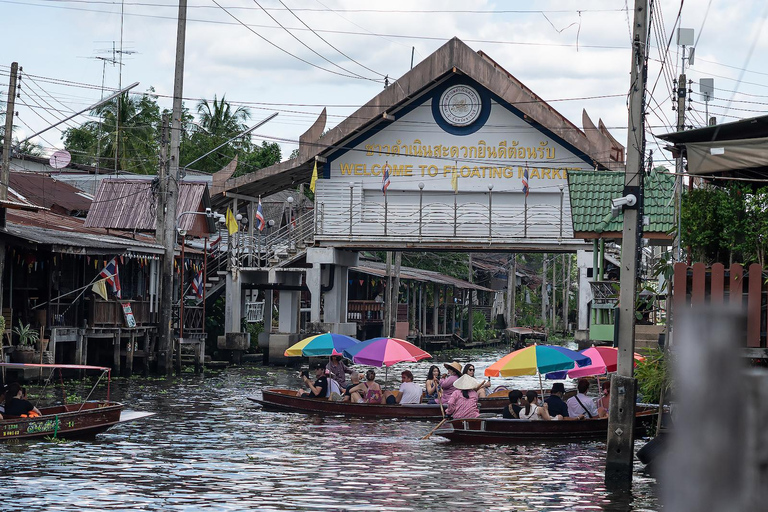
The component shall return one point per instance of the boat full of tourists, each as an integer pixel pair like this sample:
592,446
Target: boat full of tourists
288,400
492,430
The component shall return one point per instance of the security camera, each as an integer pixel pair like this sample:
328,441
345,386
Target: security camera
617,205
208,213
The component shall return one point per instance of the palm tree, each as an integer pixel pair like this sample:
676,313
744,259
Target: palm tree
219,119
128,134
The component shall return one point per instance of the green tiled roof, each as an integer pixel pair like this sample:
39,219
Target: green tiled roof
591,193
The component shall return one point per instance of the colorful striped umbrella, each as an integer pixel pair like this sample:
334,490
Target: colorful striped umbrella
327,344
536,359
604,360
385,352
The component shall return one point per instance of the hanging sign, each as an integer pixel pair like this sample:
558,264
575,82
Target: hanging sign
130,321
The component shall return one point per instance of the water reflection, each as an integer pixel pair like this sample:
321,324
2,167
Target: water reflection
209,448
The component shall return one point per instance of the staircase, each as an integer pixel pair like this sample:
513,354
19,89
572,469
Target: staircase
279,248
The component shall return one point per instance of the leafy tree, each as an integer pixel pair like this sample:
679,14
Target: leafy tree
220,122
127,134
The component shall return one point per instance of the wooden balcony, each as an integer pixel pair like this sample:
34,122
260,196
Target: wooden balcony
109,313
365,311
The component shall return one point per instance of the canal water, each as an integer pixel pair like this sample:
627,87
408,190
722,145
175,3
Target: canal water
208,448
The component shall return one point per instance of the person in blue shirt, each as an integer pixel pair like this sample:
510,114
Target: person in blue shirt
555,400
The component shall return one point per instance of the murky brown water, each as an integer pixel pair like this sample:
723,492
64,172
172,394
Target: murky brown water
209,448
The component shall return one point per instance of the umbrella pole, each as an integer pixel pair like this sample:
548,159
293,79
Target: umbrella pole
541,387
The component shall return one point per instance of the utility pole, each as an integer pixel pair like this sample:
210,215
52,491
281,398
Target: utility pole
621,418
395,292
172,192
162,182
5,176
544,295
511,289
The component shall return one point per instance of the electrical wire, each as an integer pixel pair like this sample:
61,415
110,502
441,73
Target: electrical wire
328,43
352,73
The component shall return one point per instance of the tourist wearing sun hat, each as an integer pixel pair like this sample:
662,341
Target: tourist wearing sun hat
463,401
446,383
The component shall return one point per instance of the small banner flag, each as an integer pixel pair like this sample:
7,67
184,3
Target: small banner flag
526,188
314,179
455,180
260,223
100,288
197,284
231,222
110,275
385,178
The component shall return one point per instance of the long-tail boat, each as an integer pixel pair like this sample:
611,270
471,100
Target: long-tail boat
82,419
494,430
288,400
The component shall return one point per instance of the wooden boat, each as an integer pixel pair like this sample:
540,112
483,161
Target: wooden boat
287,400
500,430
82,419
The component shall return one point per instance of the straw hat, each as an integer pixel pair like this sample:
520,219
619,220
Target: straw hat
466,382
456,366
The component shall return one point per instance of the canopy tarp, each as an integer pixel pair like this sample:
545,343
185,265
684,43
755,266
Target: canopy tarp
723,156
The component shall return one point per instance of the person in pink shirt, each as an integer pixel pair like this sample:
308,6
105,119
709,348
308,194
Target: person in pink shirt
463,402
446,383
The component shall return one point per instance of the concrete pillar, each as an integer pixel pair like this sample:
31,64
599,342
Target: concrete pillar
435,309
288,307
232,304
337,264
314,284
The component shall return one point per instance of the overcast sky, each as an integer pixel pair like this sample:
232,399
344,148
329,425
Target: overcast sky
573,53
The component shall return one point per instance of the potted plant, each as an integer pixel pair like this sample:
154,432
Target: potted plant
25,349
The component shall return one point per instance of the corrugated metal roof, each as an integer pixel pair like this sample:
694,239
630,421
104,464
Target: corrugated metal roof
591,193
130,204
69,234
375,268
42,190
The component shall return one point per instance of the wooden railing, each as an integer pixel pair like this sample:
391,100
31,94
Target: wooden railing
365,311
109,313
697,285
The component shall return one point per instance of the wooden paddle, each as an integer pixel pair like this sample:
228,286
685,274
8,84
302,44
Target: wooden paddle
442,411
433,430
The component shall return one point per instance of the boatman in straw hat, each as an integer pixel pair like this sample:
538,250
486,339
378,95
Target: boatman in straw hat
446,383
463,402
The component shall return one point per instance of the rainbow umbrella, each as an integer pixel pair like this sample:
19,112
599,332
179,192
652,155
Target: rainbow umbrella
604,360
385,352
536,359
327,344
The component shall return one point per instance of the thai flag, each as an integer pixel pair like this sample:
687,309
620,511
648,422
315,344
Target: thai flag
526,189
110,276
385,179
197,284
260,217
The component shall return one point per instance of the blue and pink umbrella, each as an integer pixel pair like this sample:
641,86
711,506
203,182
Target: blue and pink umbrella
385,352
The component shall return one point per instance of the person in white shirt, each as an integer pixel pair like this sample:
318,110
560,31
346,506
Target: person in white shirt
581,404
410,392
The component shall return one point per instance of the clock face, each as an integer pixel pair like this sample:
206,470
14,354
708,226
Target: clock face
460,105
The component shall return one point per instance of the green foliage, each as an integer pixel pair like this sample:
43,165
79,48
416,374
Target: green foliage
726,224
254,329
27,335
481,331
134,146
653,375
2,327
138,144
453,264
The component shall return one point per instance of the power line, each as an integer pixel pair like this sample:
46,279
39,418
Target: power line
356,75
328,43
